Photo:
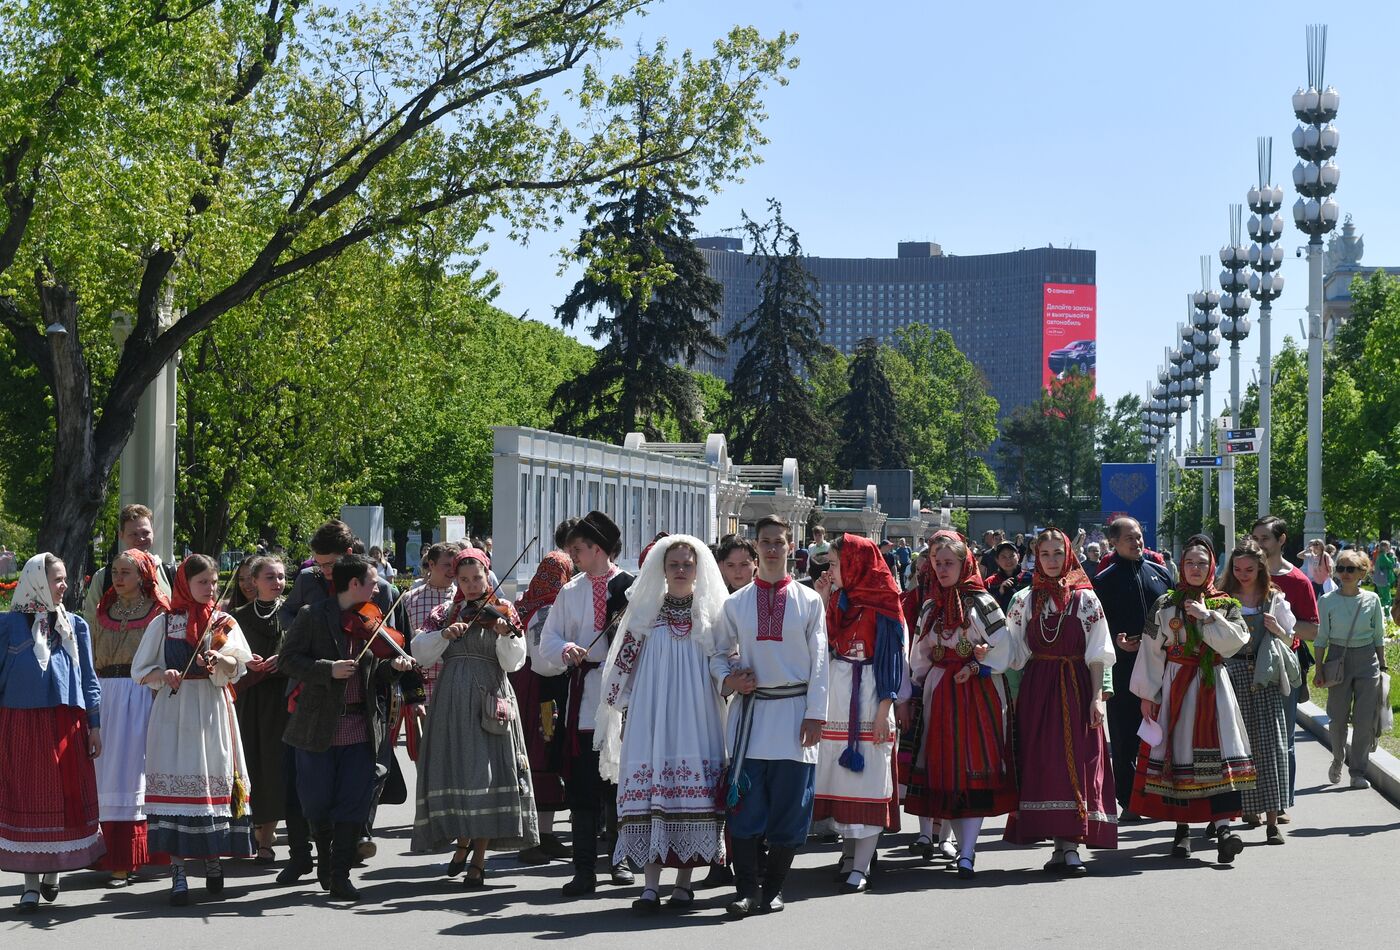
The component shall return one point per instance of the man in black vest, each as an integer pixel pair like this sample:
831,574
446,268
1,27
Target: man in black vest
1127,588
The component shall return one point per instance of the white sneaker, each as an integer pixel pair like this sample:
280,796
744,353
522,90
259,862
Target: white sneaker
1359,781
1334,772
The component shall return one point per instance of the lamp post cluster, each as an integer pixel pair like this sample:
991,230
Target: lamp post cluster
1251,273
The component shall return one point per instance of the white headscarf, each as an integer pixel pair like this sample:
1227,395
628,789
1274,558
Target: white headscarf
644,601
32,595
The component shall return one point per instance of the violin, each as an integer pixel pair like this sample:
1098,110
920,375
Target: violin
215,637
487,613
366,624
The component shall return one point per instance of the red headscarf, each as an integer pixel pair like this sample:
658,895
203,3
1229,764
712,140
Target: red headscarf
183,602
468,554
947,602
1058,589
146,567
550,577
867,583
1208,590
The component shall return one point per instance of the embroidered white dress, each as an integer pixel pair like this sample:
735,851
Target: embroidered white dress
672,760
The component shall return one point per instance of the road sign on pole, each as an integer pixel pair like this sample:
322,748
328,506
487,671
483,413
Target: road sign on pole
1242,447
1235,435
1203,461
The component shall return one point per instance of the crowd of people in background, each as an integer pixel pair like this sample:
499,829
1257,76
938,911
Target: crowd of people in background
710,712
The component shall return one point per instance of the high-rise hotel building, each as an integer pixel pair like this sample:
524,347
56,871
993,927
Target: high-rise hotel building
1021,317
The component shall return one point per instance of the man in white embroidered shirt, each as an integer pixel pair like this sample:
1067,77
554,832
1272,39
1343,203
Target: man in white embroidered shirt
772,643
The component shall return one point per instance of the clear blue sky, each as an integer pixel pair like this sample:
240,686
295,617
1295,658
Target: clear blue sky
988,127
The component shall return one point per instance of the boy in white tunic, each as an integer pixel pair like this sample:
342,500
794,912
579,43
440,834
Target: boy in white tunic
575,640
771,649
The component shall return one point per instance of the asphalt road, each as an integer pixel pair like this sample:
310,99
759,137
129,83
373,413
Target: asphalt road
1333,881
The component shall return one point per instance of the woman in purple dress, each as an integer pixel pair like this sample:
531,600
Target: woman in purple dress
1062,642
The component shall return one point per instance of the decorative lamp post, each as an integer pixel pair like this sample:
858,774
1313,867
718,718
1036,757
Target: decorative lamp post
1234,326
1205,323
1315,177
1265,285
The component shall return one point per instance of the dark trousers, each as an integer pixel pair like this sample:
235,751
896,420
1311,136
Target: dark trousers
336,786
592,805
298,828
778,804
1124,717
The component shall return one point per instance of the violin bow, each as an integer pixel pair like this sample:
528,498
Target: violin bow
208,633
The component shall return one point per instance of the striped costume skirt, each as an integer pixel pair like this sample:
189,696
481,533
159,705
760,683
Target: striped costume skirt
48,792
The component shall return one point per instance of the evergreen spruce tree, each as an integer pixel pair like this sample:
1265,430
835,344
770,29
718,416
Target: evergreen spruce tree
871,435
773,412
655,304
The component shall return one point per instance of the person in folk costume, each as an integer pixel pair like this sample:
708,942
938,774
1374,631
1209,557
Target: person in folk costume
340,718
1270,622
964,771
575,640
474,785
122,615
668,761
1060,638
541,698
262,700
855,789
935,837
50,732
196,783
770,648
1199,766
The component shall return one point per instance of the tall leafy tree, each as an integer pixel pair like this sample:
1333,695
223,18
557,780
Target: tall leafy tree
871,435
773,411
204,150
654,302
1048,451
1119,435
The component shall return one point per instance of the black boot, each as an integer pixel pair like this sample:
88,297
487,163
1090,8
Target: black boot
775,872
324,860
299,863
343,857
745,878
585,829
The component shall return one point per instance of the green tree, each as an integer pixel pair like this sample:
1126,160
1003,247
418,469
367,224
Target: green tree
870,432
1048,452
830,383
199,152
654,301
772,409
1119,437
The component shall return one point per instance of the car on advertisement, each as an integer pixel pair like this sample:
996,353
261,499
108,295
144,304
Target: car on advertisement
1078,354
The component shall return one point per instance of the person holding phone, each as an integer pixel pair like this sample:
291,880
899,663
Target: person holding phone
1127,587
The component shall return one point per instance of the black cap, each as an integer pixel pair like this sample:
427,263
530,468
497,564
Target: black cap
1006,546
599,529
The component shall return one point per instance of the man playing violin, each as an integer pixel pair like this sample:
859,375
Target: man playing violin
340,719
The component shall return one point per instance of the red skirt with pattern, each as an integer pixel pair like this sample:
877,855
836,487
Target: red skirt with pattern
969,768
48,792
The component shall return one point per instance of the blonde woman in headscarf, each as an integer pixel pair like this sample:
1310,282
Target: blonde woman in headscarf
49,735
668,762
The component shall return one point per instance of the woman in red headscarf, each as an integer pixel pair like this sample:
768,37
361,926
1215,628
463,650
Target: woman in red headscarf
1060,638
541,698
196,782
855,788
1197,762
474,785
123,614
964,770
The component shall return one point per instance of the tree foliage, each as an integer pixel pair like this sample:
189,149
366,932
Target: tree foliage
870,433
197,152
1048,452
772,411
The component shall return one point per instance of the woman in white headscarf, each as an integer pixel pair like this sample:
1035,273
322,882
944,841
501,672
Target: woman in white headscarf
669,762
49,735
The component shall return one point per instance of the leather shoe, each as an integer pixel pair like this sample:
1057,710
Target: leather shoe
743,907
622,874
859,886
554,848
342,890
774,905
580,885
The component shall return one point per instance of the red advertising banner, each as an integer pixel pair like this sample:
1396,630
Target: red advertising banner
1069,331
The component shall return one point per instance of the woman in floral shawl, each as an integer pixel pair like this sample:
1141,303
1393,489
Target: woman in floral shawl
1195,759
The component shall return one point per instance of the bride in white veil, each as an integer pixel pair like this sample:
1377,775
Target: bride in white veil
669,761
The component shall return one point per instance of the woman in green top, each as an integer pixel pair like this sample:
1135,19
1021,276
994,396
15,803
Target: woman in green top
1384,573
1352,624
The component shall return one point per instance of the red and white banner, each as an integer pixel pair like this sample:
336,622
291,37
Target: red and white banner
1069,330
